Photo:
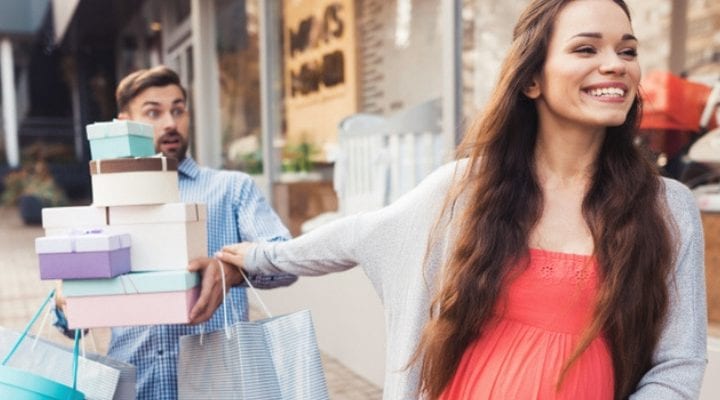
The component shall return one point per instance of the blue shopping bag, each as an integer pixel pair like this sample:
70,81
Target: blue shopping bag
21,385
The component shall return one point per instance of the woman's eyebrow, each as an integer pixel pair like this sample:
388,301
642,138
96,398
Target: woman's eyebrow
598,35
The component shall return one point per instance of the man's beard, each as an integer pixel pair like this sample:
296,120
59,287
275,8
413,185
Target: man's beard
172,144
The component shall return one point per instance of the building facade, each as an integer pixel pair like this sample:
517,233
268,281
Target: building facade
264,76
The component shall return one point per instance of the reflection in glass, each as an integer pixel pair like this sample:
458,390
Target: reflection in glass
238,64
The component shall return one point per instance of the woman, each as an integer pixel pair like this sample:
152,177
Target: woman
560,265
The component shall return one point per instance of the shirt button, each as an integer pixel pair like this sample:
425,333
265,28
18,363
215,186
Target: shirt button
160,352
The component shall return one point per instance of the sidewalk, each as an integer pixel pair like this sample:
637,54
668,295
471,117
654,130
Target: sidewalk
22,291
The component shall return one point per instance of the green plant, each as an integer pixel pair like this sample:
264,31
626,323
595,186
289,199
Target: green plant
252,163
298,158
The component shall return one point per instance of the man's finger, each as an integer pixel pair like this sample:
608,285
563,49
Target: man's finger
198,264
206,288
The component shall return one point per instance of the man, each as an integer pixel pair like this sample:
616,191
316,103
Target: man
237,212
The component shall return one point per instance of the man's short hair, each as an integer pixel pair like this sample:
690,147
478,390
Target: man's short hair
135,83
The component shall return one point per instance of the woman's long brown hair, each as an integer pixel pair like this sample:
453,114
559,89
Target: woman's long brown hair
503,202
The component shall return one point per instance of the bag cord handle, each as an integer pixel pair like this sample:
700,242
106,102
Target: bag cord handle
250,286
27,329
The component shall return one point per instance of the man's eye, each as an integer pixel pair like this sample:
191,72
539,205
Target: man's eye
152,113
178,112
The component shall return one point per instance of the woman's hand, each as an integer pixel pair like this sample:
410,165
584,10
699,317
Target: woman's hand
235,253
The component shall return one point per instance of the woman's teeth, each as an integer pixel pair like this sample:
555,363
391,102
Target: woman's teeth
613,91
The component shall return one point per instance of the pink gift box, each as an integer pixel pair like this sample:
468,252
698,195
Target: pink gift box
83,256
131,309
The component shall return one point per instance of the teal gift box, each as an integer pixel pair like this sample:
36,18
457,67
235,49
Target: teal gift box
133,283
120,138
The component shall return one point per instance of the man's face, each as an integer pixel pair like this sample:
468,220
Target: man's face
164,108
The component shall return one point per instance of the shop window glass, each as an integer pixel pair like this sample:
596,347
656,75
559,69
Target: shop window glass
179,11
239,74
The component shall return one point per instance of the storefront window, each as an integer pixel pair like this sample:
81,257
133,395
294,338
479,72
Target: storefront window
140,42
399,46
239,74
178,12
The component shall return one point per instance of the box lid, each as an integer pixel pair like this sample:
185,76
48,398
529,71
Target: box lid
117,127
133,283
64,217
115,165
82,242
157,213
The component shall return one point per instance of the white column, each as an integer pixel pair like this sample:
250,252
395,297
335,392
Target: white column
452,85
678,36
270,97
208,138
8,102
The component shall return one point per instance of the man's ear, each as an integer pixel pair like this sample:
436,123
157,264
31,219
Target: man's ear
533,89
123,115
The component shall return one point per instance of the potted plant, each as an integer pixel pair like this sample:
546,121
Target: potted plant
297,162
31,188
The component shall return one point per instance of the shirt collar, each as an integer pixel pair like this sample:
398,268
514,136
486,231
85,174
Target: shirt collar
189,168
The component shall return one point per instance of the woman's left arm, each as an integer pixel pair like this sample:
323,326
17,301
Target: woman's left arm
680,357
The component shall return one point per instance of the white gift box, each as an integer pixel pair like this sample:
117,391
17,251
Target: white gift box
133,181
65,220
164,237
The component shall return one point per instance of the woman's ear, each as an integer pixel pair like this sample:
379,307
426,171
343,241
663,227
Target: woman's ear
533,89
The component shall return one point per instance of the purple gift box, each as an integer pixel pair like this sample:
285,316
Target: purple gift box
83,256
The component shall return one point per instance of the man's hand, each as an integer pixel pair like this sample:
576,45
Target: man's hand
211,287
59,298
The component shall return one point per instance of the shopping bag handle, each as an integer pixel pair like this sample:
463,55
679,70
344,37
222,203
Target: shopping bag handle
24,333
250,286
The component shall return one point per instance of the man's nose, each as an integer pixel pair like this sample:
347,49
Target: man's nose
168,121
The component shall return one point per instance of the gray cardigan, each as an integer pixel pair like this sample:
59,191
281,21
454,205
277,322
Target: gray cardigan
390,245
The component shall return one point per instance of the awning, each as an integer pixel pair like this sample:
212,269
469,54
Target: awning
63,12
22,17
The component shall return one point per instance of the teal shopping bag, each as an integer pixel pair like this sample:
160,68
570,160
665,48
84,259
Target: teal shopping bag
20,385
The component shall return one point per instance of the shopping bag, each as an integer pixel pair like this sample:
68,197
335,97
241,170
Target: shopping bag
17,384
126,389
271,359
99,377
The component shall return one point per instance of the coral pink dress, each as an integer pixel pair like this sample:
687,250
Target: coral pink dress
537,326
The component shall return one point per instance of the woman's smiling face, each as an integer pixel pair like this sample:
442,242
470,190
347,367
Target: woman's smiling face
591,73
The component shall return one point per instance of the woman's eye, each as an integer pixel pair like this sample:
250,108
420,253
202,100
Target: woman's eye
585,50
629,53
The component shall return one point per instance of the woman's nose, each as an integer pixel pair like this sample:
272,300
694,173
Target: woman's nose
613,64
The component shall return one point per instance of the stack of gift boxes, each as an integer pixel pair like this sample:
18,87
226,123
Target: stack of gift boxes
123,260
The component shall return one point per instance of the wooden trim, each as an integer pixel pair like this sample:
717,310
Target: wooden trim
117,165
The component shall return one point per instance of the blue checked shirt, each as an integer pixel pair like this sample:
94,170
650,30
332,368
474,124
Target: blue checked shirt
237,212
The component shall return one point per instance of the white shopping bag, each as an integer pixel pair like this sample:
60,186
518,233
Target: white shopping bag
271,359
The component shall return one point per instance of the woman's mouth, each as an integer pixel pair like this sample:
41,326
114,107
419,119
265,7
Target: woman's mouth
606,92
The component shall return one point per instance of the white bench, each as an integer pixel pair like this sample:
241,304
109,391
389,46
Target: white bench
380,159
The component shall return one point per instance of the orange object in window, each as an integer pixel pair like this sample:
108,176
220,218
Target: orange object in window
671,102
